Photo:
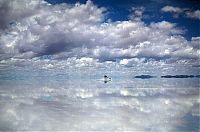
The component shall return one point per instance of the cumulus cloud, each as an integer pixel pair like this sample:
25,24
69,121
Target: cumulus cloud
177,11
196,42
65,31
137,13
195,14
172,9
13,10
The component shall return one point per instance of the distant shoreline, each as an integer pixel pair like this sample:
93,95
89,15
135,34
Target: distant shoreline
167,76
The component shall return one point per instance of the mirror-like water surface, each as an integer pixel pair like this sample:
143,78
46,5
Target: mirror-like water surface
81,100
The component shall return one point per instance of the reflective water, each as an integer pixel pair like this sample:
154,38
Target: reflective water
80,100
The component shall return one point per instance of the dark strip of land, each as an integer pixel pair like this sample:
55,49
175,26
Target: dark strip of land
180,76
168,76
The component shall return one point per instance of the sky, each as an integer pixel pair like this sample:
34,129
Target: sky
126,33
119,10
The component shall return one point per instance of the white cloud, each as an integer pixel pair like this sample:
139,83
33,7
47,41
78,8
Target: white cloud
65,31
123,61
172,9
16,10
195,42
195,14
177,11
131,62
137,13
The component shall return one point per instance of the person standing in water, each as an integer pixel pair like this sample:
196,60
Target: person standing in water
106,79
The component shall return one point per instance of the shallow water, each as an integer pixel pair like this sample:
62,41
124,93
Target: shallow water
80,100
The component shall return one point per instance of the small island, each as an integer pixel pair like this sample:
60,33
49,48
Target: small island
144,76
